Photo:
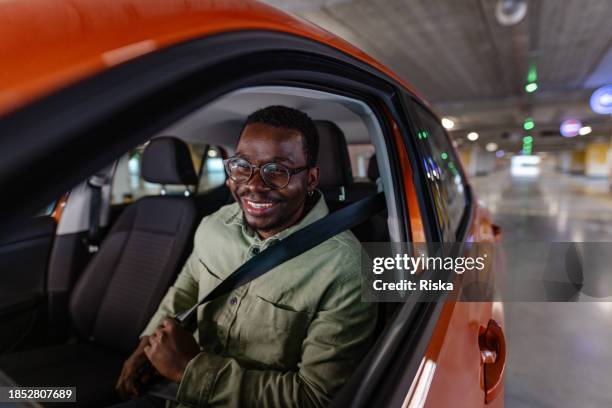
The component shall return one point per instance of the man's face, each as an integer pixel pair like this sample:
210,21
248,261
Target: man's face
266,210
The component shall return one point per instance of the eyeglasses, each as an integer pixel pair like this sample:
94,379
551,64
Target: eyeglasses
274,175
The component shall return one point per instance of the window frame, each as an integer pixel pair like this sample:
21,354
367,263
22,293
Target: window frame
459,234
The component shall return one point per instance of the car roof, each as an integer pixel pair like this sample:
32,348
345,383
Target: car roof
47,45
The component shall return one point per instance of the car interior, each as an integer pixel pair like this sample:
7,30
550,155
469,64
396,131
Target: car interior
89,272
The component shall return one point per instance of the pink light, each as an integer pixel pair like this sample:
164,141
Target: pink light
570,127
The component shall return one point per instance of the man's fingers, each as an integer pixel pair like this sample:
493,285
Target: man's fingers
120,390
170,324
121,384
146,376
134,390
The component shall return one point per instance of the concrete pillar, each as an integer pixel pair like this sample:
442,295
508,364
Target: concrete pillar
596,159
578,161
483,161
564,162
465,155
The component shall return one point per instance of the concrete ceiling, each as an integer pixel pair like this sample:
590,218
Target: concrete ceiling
470,67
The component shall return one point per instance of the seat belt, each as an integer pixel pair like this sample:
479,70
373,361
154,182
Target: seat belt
295,244
95,183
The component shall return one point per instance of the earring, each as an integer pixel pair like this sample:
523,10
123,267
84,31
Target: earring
310,193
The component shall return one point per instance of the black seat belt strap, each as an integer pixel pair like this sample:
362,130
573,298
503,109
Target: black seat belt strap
292,246
95,183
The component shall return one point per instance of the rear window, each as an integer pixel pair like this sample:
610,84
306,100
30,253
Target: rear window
128,184
360,155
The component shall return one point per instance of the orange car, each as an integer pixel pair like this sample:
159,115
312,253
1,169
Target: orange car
84,85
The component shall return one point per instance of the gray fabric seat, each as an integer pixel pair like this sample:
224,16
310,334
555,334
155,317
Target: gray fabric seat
121,287
336,181
334,161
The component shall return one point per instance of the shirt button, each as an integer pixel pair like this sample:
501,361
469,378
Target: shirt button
233,300
255,250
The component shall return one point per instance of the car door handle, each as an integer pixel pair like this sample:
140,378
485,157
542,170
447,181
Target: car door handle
492,343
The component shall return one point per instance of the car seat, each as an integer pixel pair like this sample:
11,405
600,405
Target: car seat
337,185
121,287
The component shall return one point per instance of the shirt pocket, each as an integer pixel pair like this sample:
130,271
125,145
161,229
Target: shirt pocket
208,280
209,331
271,334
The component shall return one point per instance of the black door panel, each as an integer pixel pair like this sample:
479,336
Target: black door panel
24,256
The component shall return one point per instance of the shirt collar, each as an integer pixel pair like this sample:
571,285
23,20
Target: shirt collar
318,211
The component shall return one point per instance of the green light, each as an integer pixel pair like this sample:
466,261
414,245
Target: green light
532,74
444,156
529,124
424,135
528,145
531,87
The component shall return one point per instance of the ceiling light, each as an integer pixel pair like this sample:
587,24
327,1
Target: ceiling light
531,87
510,12
212,153
491,147
570,127
448,123
472,136
585,130
601,100
532,74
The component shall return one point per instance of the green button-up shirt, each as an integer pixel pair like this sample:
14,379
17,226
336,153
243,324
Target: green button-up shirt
291,337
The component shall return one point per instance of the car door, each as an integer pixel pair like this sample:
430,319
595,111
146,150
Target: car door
24,256
455,370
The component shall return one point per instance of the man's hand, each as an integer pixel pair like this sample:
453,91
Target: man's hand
134,372
170,348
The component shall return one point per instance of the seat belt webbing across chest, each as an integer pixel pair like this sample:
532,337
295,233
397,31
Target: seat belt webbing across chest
290,247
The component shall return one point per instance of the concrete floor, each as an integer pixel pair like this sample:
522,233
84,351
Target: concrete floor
560,354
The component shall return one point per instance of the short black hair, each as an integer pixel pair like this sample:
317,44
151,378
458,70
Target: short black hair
290,118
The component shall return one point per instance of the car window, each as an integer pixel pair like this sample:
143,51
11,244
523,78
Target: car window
360,155
48,210
212,173
443,174
128,184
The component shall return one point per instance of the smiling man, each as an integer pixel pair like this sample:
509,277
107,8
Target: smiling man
291,337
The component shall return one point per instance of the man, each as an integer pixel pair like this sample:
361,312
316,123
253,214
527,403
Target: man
291,337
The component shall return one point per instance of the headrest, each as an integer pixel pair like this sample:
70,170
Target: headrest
333,159
373,173
167,160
